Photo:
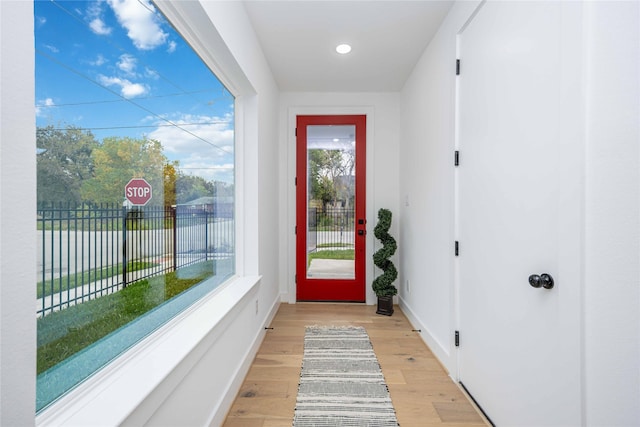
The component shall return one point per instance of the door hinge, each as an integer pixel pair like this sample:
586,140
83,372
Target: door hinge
295,278
457,67
296,181
457,338
295,230
456,156
296,131
457,248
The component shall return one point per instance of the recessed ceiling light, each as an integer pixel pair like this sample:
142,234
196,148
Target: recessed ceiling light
343,48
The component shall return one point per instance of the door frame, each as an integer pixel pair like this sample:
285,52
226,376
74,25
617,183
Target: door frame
347,290
288,197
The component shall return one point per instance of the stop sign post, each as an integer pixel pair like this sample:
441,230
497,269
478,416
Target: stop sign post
138,191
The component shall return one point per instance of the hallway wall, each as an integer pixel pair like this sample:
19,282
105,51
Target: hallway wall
17,215
189,371
610,246
427,188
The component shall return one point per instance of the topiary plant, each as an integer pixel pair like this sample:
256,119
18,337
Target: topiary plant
383,284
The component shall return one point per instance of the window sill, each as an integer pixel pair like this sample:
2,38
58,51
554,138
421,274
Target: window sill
111,395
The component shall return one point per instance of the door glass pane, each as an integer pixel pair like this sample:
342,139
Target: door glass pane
331,160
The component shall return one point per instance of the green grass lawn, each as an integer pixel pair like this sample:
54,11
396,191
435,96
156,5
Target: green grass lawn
66,332
74,280
332,254
335,245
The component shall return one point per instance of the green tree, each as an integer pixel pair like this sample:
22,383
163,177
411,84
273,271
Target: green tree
328,173
119,159
223,189
191,187
64,163
170,180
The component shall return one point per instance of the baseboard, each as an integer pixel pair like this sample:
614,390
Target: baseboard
285,297
441,352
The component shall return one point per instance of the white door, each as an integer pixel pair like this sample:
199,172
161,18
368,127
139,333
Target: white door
519,213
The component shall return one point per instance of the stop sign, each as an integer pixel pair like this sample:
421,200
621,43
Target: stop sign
138,191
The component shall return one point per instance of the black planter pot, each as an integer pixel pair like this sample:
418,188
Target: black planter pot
385,305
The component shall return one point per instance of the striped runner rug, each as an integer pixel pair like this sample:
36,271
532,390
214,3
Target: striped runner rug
341,384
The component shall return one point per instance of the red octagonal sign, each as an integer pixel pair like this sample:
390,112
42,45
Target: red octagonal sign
138,191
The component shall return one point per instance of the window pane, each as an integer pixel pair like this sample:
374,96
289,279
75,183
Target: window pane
135,171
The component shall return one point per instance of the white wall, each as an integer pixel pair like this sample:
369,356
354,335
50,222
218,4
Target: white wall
17,215
427,188
612,255
610,333
207,350
382,110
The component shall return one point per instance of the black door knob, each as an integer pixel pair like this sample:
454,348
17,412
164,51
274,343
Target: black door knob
534,280
542,281
547,281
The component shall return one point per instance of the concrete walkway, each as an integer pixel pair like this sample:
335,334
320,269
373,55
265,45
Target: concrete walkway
331,269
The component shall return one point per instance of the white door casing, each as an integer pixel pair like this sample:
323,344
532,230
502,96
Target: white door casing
519,211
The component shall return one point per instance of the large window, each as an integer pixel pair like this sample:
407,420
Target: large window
135,158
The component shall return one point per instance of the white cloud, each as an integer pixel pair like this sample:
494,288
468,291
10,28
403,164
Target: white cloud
150,73
171,46
98,26
127,88
40,21
200,167
100,60
43,104
94,15
127,64
138,17
94,9
208,154
52,48
131,90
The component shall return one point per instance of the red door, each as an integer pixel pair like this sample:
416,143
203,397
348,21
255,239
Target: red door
330,208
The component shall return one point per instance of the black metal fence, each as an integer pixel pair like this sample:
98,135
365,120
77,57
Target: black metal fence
90,251
330,229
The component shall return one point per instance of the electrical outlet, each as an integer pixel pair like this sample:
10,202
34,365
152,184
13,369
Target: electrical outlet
256,306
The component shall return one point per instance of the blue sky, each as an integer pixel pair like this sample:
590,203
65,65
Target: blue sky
117,68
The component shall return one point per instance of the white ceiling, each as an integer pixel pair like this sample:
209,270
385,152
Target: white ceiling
387,37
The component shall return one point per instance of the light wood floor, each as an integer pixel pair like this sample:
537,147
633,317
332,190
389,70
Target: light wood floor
422,393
